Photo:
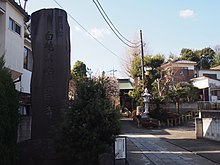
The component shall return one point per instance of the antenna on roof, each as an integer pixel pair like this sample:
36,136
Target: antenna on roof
25,3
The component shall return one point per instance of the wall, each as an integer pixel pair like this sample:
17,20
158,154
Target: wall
2,29
211,128
26,81
24,128
184,107
201,83
14,43
201,72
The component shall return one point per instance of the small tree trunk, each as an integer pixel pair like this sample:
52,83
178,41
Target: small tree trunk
178,106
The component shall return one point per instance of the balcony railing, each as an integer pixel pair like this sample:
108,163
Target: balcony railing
208,105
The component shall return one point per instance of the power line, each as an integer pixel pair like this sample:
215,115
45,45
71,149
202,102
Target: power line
89,33
135,43
111,27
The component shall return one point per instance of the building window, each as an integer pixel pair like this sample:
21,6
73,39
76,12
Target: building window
24,110
213,76
28,59
14,26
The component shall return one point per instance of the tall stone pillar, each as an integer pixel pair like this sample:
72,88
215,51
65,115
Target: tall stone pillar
50,38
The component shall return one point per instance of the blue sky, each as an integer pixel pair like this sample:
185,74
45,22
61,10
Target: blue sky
167,26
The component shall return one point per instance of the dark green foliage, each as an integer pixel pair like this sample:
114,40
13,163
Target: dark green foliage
90,123
205,58
8,117
182,92
159,114
136,95
151,64
188,54
78,71
136,67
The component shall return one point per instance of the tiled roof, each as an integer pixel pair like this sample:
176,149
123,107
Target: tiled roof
125,84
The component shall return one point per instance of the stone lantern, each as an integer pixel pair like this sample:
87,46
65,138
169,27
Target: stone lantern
146,101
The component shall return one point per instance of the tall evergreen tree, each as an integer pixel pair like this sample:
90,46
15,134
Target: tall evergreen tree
8,117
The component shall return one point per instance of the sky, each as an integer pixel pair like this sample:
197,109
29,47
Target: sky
167,27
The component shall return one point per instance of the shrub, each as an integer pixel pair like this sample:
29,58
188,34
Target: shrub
90,124
8,117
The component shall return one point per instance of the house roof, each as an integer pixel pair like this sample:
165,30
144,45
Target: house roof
185,62
200,78
201,84
178,62
20,9
125,84
216,68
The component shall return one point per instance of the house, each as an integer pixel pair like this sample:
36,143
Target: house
178,71
15,45
125,85
208,81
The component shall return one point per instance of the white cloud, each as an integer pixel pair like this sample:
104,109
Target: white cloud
99,33
76,28
187,14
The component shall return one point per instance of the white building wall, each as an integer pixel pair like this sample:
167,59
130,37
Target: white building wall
201,72
211,128
25,81
14,43
26,74
2,29
201,84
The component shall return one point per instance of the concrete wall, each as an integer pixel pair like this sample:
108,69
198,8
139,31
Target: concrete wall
208,128
211,128
24,128
184,107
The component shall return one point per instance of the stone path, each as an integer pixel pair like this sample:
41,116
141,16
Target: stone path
174,146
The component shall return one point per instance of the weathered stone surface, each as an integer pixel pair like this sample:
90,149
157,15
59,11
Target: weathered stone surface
51,66
39,152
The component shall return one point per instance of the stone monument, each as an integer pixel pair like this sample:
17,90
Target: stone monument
49,86
51,68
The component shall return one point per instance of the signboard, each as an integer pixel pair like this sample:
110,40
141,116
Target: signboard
120,148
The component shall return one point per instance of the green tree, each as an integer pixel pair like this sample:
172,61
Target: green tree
204,57
182,92
190,55
151,64
8,118
136,67
136,95
79,70
90,123
153,73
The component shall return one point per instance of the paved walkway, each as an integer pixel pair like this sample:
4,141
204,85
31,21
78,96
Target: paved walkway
171,146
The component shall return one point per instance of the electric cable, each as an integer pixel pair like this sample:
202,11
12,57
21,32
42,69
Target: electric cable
114,30
135,43
90,33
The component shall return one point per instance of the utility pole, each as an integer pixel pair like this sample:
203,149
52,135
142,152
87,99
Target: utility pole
142,60
113,72
89,71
